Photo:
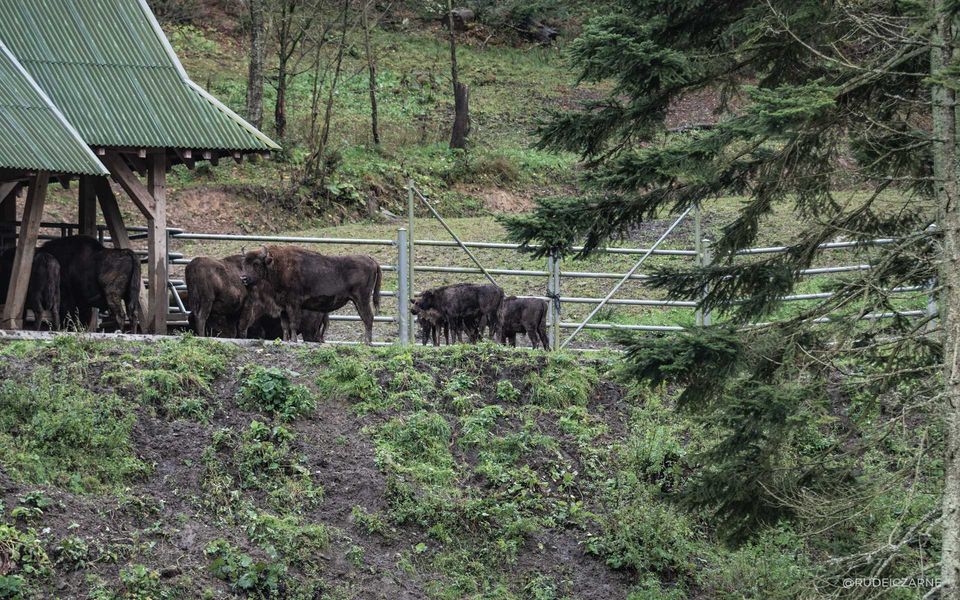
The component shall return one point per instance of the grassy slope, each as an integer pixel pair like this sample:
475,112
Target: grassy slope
511,87
183,469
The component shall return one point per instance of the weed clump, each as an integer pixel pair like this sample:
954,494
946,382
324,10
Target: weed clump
270,389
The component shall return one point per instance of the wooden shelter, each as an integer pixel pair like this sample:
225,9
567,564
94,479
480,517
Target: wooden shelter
36,141
108,69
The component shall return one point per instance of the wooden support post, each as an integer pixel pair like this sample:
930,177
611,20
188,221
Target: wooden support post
87,206
157,242
8,214
23,258
111,213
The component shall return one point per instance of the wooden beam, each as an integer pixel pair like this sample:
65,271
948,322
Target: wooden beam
134,188
111,213
23,258
87,206
157,244
186,157
8,213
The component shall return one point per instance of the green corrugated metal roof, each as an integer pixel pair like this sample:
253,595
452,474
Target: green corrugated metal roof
110,69
33,133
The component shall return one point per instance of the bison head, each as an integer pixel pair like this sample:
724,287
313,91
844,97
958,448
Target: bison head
255,266
424,301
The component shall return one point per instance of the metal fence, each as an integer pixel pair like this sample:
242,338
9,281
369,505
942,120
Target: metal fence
551,278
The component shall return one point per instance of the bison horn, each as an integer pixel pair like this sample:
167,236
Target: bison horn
243,250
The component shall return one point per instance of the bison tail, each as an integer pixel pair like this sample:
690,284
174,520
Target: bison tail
376,290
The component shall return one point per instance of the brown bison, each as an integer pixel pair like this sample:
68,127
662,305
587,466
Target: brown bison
43,291
305,280
466,307
92,276
523,315
431,323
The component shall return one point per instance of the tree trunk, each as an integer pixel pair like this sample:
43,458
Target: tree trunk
461,119
461,95
255,74
372,68
280,110
314,165
945,174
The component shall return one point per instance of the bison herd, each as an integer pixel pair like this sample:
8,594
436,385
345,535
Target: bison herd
73,275
274,292
471,310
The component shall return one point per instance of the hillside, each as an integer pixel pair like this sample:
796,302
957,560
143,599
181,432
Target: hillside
188,468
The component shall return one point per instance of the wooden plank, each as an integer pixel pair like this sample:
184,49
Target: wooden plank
157,244
23,258
87,206
130,183
111,213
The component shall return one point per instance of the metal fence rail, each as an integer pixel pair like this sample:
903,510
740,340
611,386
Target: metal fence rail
552,276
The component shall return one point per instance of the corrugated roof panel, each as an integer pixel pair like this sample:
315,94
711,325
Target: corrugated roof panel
108,67
34,136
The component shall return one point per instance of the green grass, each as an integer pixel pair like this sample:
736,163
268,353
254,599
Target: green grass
486,456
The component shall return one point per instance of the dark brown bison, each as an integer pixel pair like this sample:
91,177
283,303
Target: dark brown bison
466,307
43,291
431,323
302,279
523,315
92,276
216,295
313,327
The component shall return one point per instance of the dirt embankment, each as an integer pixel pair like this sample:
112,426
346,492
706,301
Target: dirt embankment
404,475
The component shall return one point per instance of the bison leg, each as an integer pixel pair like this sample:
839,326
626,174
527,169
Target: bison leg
323,327
293,324
366,315
200,315
542,332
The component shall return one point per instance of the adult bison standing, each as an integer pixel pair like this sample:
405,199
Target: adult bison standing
92,276
302,279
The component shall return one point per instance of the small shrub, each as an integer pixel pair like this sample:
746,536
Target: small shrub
371,522
266,461
506,392
72,552
23,553
141,583
244,573
561,382
270,390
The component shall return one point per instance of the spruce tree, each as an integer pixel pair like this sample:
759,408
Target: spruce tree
850,95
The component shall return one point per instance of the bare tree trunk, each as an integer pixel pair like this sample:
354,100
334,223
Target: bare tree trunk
945,174
315,160
255,74
461,94
461,118
280,110
372,68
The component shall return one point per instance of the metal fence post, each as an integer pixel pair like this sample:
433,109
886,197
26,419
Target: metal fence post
411,249
403,287
705,258
553,291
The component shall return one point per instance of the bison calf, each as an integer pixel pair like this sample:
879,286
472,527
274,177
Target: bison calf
523,315
43,290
